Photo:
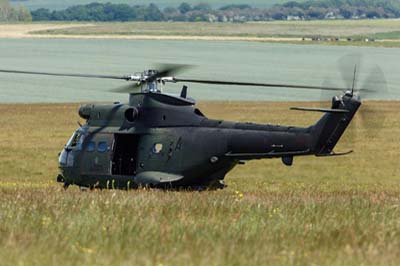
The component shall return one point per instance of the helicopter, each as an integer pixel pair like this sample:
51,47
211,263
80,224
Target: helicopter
161,140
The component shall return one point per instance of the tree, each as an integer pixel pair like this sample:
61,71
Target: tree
292,4
8,13
316,13
153,13
235,6
21,13
202,7
5,10
120,12
41,14
184,8
346,12
309,9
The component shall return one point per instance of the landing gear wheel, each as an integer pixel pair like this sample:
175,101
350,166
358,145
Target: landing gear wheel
65,186
216,184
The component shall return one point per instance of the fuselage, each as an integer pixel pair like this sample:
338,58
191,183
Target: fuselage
160,140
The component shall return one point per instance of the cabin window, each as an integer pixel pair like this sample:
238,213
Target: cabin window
90,146
102,146
157,148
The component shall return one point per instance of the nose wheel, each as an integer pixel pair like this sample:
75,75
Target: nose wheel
61,179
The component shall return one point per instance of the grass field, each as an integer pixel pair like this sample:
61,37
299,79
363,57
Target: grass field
339,28
34,4
321,211
384,31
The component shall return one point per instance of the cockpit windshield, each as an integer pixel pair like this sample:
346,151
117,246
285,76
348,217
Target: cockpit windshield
77,139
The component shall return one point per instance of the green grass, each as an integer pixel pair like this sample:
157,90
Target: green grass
392,35
322,211
385,29
339,28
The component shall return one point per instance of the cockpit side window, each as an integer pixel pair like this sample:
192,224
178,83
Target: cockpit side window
90,146
76,140
72,141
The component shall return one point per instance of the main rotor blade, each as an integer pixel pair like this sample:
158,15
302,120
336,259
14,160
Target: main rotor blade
326,96
64,74
166,70
129,88
219,82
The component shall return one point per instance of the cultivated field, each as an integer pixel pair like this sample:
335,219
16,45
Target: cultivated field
322,211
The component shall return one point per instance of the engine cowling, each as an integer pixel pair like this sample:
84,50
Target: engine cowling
85,111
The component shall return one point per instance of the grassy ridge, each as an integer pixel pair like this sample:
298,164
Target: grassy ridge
326,211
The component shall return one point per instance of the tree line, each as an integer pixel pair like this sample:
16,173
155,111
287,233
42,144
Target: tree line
9,13
308,10
342,9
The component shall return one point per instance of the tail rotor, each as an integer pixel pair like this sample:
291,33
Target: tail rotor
370,119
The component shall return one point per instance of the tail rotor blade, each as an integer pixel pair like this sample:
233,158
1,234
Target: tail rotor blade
375,85
350,67
347,65
372,116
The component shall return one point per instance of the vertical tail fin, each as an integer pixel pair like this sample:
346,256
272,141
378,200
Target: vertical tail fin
328,130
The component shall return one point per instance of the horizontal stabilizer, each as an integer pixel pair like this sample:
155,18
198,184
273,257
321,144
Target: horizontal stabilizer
325,110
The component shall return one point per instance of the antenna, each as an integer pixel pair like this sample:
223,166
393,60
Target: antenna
354,79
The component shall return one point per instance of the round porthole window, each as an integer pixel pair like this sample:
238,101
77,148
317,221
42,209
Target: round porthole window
102,146
157,148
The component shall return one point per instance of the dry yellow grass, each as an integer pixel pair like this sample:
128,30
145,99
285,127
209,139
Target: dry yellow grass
22,30
323,211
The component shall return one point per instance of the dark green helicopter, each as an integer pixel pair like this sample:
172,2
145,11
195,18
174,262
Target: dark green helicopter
163,141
